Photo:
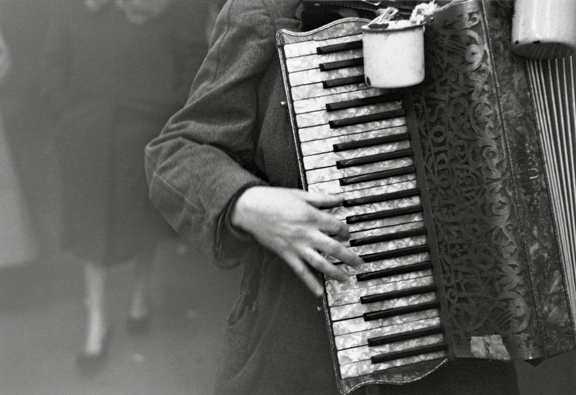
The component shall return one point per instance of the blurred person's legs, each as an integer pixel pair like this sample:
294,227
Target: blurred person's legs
108,218
98,332
97,325
141,298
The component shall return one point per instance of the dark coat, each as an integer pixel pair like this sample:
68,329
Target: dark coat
234,133
113,85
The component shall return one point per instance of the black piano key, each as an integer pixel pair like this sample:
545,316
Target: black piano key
340,123
398,337
341,64
380,256
394,271
364,160
377,315
370,142
378,175
388,237
401,293
356,79
405,193
354,219
347,46
365,101
409,353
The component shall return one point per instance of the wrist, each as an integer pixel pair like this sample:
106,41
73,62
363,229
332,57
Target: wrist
242,208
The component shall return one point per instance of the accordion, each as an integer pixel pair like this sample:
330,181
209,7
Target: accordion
460,204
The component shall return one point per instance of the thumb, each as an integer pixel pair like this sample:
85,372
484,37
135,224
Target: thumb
320,200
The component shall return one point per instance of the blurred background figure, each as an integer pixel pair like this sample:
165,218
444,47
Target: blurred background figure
115,70
23,151
16,240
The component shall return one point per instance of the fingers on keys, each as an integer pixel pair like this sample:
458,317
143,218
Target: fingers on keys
333,227
337,250
320,263
321,200
312,258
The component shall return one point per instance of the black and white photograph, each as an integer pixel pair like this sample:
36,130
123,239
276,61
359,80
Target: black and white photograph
287,197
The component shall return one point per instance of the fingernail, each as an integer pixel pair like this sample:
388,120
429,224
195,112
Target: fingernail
344,278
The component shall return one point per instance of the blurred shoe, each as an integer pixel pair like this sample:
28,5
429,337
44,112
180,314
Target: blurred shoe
90,364
139,326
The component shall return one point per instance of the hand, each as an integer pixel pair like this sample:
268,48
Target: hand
289,223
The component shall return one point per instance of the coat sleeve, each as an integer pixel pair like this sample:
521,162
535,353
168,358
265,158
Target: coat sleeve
198,164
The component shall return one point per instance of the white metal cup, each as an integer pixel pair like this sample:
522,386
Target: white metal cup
393,56
544,29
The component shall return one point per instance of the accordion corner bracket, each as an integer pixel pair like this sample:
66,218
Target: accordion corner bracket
489,347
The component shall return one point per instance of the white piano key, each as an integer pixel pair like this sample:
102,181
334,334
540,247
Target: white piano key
389,230
358,309
352,284
364,353
310,47
383,264
389,245
334,188
335,288
319,103
342,212
333,173
324,131
315,118
379,190
315,75
329,159
366,367
314,147
361,326
381,223
303,92
419,277
314,61
360,338
351,291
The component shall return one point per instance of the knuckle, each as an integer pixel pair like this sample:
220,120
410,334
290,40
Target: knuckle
333,248
301,271
316,260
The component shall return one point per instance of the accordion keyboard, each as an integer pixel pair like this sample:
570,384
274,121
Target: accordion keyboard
354,142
